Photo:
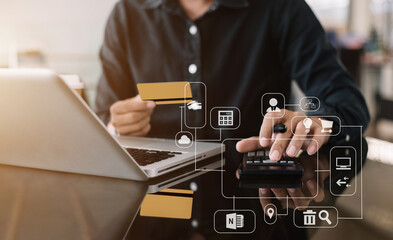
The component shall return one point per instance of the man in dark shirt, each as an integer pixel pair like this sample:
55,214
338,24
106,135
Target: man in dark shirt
240,49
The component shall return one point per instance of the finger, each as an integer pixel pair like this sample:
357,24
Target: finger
133,128
280,192
315,144
264,197
297,140
129,118
285,205
248,145
266,131
312,187
142,132
280,144
298,197
131,104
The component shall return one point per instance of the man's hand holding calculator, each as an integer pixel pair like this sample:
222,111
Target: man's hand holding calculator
289,142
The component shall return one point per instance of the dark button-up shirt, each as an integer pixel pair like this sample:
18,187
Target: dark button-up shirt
235,53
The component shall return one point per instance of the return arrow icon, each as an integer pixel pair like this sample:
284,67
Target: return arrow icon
341,182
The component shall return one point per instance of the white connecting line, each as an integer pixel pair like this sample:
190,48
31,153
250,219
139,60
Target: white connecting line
181,118
195,161
361,176
284,214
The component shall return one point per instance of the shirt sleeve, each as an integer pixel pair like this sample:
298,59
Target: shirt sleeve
309,58
116,81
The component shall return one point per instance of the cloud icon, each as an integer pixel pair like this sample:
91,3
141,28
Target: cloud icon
184,140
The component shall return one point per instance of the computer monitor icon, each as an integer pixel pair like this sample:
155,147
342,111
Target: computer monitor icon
343,163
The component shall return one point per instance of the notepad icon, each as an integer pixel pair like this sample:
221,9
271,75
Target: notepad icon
234,221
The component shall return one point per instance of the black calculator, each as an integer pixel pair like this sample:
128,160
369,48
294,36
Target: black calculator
257,171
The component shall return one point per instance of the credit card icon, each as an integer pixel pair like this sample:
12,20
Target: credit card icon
166,92
168,203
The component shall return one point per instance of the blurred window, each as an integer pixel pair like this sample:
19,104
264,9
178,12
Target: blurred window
333,14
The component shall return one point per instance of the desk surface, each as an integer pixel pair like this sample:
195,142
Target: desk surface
36,204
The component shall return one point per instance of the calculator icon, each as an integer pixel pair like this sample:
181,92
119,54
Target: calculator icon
225,118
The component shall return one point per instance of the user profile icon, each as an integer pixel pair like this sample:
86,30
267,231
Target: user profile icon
273,103
273,106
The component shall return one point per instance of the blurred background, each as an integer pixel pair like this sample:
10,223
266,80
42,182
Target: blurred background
66,35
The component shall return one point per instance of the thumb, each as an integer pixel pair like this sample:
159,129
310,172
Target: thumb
137,104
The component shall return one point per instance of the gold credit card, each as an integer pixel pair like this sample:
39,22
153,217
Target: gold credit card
166,92
168,203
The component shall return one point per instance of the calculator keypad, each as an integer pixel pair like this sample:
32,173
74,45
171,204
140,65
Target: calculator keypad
261,158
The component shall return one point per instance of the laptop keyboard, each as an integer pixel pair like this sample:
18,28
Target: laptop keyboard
145,156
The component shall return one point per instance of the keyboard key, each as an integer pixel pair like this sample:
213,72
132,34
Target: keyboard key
261,153
251,154
269,161
145,157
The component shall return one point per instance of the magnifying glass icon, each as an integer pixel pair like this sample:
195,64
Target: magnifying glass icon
326,218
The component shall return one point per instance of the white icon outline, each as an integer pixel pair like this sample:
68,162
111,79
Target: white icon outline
184,133
307,122
354,179
270,206
203,108
333,135
307,110
234,221
225,128
237,211
324,208
262,108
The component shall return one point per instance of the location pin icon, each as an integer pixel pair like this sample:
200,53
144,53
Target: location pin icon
270,212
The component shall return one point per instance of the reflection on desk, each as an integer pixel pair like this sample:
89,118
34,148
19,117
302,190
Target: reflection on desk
36,204
39,204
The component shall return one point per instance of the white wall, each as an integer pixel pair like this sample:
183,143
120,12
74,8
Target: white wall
69,32
361,19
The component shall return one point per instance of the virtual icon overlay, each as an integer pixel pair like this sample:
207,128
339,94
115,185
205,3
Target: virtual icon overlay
273,103
225,118
236,221
184,139
343,164
195,111
316,217
256,170
309,104
327,125
270,216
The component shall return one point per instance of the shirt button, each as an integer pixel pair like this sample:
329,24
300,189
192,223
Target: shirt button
192,68
193,30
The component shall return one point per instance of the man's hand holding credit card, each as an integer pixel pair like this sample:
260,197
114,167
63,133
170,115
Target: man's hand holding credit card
131,117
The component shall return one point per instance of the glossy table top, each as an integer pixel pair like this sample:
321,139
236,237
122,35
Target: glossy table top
37,204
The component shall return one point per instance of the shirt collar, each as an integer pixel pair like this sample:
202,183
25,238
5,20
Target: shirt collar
233,3
150,4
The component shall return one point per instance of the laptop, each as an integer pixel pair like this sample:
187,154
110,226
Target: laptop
46,125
